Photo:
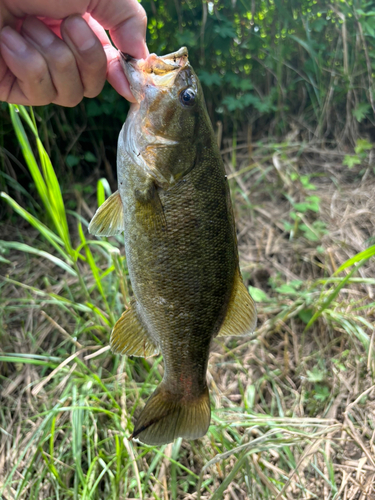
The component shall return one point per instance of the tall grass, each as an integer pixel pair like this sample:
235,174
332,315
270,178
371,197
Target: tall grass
68,437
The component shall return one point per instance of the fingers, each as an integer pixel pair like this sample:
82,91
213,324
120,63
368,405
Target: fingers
126,21
88,52
60,63
27,80
47,69
36,69
115,73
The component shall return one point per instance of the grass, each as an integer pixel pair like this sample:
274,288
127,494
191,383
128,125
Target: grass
293,407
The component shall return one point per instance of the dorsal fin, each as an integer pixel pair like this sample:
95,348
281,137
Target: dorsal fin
241,317
109,218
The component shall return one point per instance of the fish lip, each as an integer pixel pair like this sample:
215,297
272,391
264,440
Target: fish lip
127,60
178,54
156,64
126,57
153,71
129,65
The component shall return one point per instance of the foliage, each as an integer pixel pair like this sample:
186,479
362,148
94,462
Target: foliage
266,67
76,402
264,61
362,149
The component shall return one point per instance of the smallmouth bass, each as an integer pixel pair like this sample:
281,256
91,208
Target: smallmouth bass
174,207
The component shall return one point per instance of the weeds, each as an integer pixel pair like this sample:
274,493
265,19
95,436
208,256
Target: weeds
292,408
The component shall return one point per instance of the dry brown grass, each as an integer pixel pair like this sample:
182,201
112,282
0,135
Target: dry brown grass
294,408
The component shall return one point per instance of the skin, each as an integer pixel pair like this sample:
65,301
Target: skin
54,51
179,231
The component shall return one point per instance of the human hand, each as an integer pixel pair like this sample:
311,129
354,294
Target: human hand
54,51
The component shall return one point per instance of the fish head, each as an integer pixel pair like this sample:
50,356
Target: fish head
169,105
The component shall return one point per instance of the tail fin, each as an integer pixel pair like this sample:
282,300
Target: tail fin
165,418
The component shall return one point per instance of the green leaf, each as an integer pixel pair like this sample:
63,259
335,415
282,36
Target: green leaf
301,207
210,79
361,111
90,157
314,202
258,295
72,161
232,103
288,226
305,315
305,181
245,85
368,29
316,374
238,81
225,30
187,37
362,146
309,233
351,160
321,393
287,289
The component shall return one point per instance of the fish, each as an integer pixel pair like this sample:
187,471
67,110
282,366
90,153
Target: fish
174,207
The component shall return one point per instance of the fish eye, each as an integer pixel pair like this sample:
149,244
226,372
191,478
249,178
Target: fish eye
187,97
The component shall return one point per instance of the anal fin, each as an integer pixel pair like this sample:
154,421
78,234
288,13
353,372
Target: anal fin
130,337
241,317
109,218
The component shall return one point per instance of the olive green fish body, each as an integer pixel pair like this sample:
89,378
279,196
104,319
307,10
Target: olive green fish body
182,257
174,207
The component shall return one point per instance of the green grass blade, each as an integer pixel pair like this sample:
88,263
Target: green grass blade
22,247
328,300
103,188
49,235
94,269
46,181
365,255
28,154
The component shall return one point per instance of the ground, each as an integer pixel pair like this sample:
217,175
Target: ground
293,405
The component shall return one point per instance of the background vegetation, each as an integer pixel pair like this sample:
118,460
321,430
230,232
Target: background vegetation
289,87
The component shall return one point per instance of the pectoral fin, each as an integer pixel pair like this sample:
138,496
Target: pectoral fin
109,218
241,315
149,210
130,337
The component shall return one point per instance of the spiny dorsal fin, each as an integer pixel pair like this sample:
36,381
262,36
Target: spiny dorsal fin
241,317
130,337
109,218
168,416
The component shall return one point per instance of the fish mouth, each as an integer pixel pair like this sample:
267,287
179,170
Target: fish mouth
159,71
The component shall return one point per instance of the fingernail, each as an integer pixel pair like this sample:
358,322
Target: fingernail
40,34
12,40
79,32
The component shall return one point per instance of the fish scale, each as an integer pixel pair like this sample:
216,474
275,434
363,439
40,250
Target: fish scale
174,207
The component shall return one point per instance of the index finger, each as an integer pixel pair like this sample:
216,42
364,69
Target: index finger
115,73
126,21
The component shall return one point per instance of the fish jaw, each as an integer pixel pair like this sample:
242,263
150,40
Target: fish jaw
154,71
159,130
